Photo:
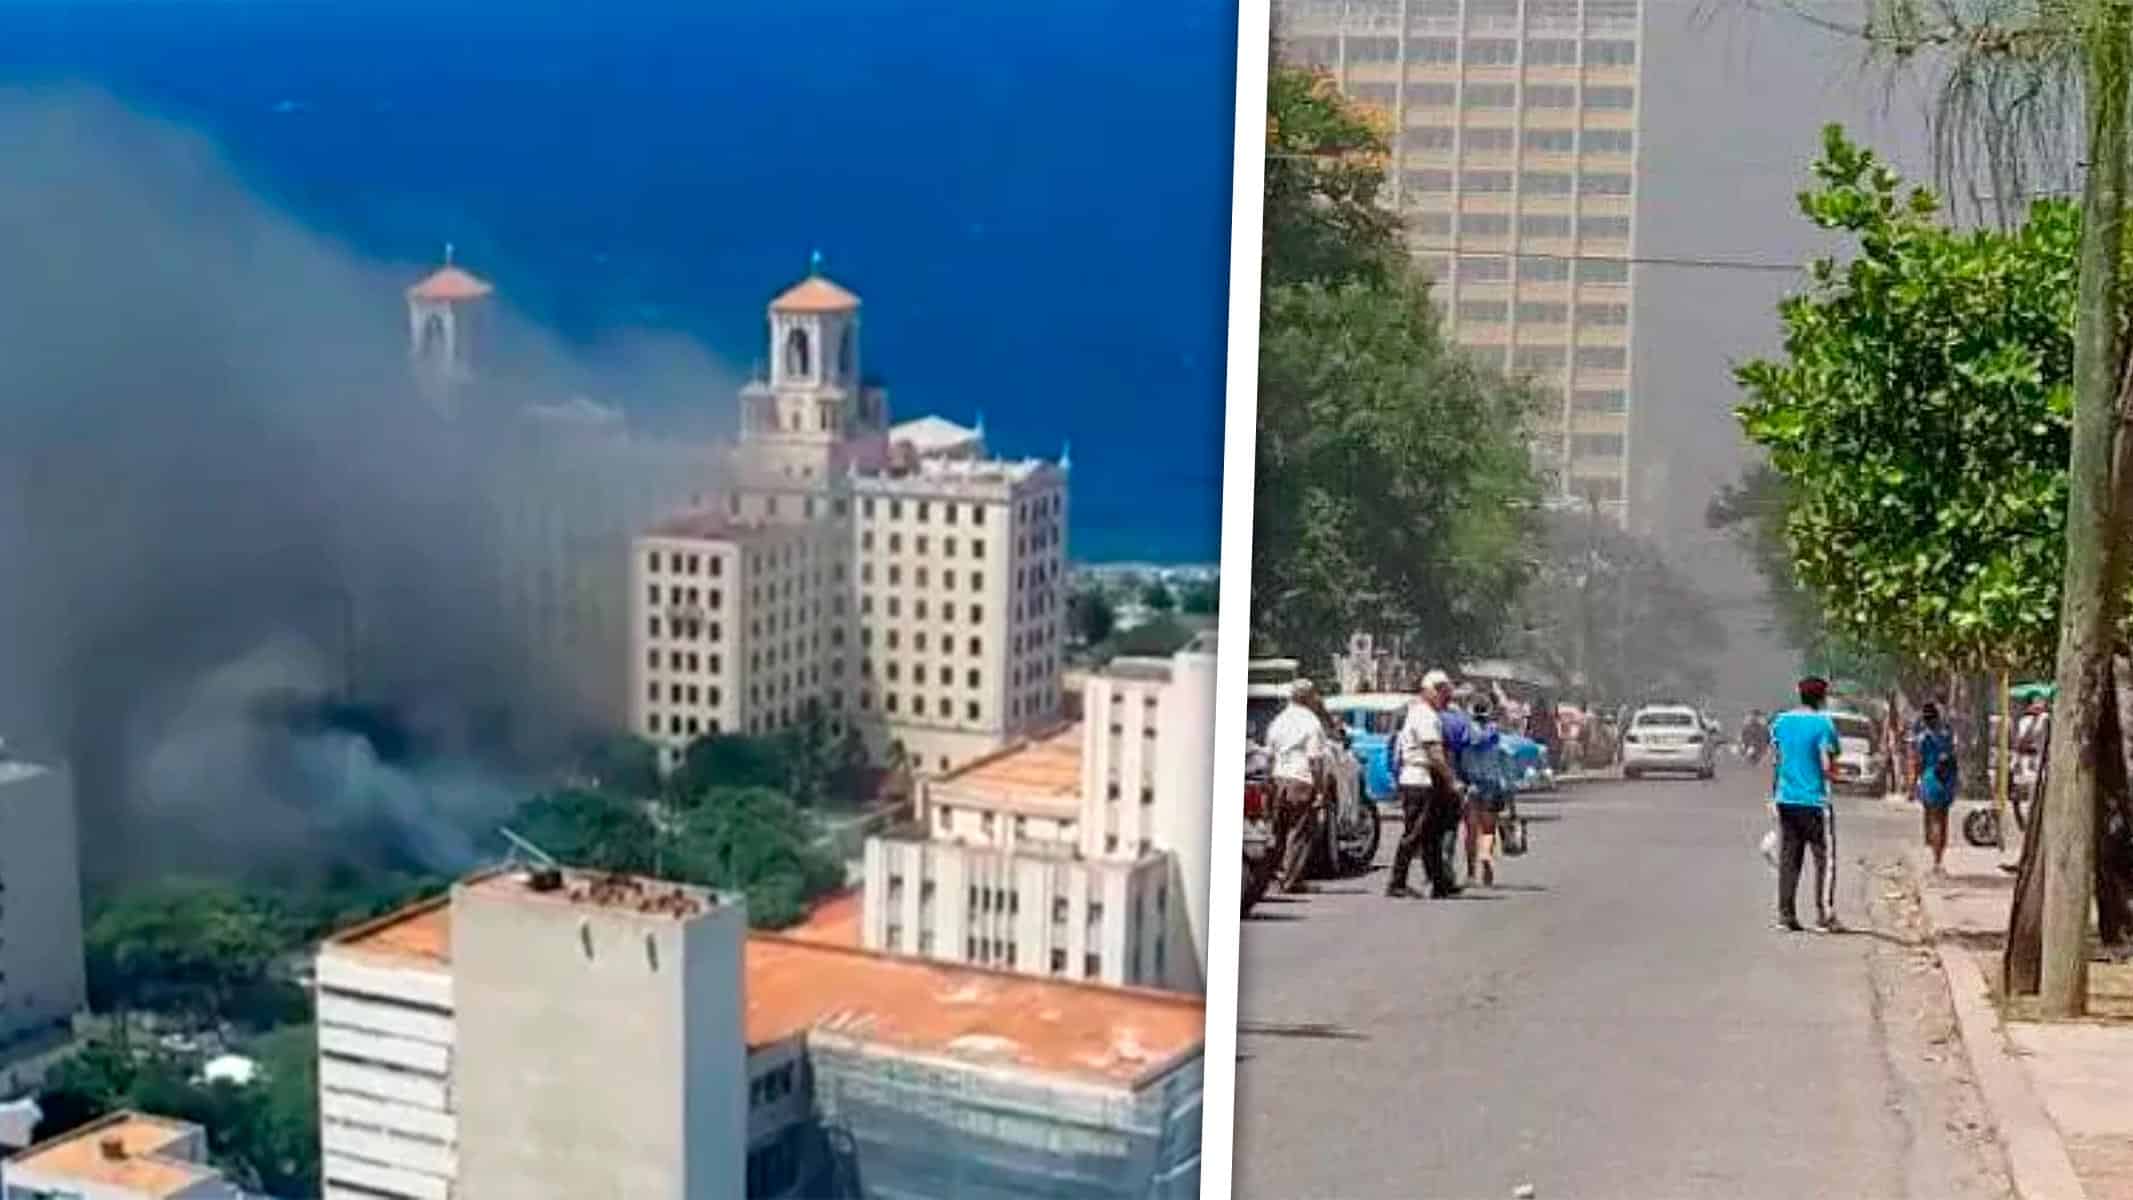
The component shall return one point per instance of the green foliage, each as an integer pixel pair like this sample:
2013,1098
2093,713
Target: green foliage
622,763
189,950
1326,159
599,830
806,760
1158,598
1646,630
1919,418
1395,492
264,1135
1159,638
1090,616
1200,600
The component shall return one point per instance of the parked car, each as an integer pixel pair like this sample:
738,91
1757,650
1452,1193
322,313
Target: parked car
1668,738
1349,844
1373,720
1258,833
1859,756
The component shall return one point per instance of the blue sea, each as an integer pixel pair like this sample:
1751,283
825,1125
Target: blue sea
1032,198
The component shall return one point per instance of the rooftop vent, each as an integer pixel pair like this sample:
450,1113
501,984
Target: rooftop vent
544,879
113,1146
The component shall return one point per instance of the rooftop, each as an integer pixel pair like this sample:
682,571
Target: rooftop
705,526
449,283
931,433
1041,776
123,1150
572,888
833,922
815,294
800,981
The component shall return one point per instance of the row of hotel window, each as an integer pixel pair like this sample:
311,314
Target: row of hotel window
1532,225
1533,268
1532,183
1541,312
1556,96
1479,139
1008,900
1331,52
1355,16
923,510
921,544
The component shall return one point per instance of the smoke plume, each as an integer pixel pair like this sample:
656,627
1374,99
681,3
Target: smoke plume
223,500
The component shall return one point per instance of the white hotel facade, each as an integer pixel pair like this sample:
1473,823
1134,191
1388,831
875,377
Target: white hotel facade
896,577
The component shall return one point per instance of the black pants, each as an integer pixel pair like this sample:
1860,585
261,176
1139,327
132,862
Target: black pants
1803,828
1297,817
1428,819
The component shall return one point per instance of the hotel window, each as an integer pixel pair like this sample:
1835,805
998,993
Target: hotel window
1485,181
1610,141
1603,227
1537,358
1433,50
1432,95
1603,270
977,547
1551,141
1551,52
1539,269
1491,95
1551,95
1615,98
1492,52
1485,224
1603,358
1604,183
1543,225
1484,268
654,561
1092,965
1543,312
1611,54
1546,183
1423,137
1373,49
1483,312
1489,138
1428,181
1600,400
1603,314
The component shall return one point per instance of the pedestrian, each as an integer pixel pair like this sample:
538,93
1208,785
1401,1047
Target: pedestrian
1488,792
1296,741
1429,793
1805,743
1934,766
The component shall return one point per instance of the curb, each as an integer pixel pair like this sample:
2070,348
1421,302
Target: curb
2036,1153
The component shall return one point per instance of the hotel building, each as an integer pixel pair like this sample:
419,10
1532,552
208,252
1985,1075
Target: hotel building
1514,169
42,980
895,578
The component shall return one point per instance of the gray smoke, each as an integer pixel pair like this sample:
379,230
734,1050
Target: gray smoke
221,498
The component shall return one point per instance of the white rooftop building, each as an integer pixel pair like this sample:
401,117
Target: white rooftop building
122,1156
42,982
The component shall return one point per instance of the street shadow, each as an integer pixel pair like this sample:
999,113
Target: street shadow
1528,888
1308,1031
1541,818
1878,935
1261,914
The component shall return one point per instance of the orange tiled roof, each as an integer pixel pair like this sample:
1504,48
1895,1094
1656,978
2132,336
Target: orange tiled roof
79,1156
450,283
832,922
1042,776
815,294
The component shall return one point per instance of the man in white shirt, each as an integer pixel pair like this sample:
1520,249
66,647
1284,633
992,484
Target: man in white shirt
1296,741
1429,794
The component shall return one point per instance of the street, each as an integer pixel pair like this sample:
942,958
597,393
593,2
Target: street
1615,1019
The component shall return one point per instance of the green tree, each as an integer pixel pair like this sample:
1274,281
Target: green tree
589,829
621,763
730,760
756,841
1368,512
1609,606
1200,600
1090,615
1925,493
1157,596
183,949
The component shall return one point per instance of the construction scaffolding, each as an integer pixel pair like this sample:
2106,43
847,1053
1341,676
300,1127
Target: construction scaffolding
900,1127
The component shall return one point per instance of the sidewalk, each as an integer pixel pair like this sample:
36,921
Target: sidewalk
2061,1093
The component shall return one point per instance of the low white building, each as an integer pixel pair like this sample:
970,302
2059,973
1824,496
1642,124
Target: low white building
121,1156
42,982
1080,853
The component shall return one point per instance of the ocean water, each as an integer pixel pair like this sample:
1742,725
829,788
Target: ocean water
1033,199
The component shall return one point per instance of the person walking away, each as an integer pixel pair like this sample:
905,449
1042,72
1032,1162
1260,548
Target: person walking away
1296,741
1544,726
1429,794
1934,765
1488,792
1805,761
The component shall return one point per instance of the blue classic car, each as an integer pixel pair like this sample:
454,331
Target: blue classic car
1373,720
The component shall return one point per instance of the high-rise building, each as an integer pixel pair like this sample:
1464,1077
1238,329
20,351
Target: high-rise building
1080,853
545,1029
896,578
1514,170
42,983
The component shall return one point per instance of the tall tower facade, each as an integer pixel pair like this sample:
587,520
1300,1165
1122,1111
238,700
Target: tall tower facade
1514,168
811,418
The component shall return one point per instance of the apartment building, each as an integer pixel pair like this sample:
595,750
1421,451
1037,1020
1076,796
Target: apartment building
42,984
120,1156
533,1030
1514,168
907,584
1078,853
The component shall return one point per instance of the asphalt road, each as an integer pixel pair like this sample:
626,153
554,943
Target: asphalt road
1616,1019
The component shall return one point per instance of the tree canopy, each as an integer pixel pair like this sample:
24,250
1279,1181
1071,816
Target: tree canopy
1394,487
1919,419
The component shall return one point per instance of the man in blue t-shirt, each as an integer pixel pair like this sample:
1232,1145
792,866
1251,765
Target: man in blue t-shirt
1805,747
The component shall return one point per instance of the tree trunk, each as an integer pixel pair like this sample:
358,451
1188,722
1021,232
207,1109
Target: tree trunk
2022,960
2095,539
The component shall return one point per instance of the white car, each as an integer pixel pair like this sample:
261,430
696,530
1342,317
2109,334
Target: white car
1668,738
1859,758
